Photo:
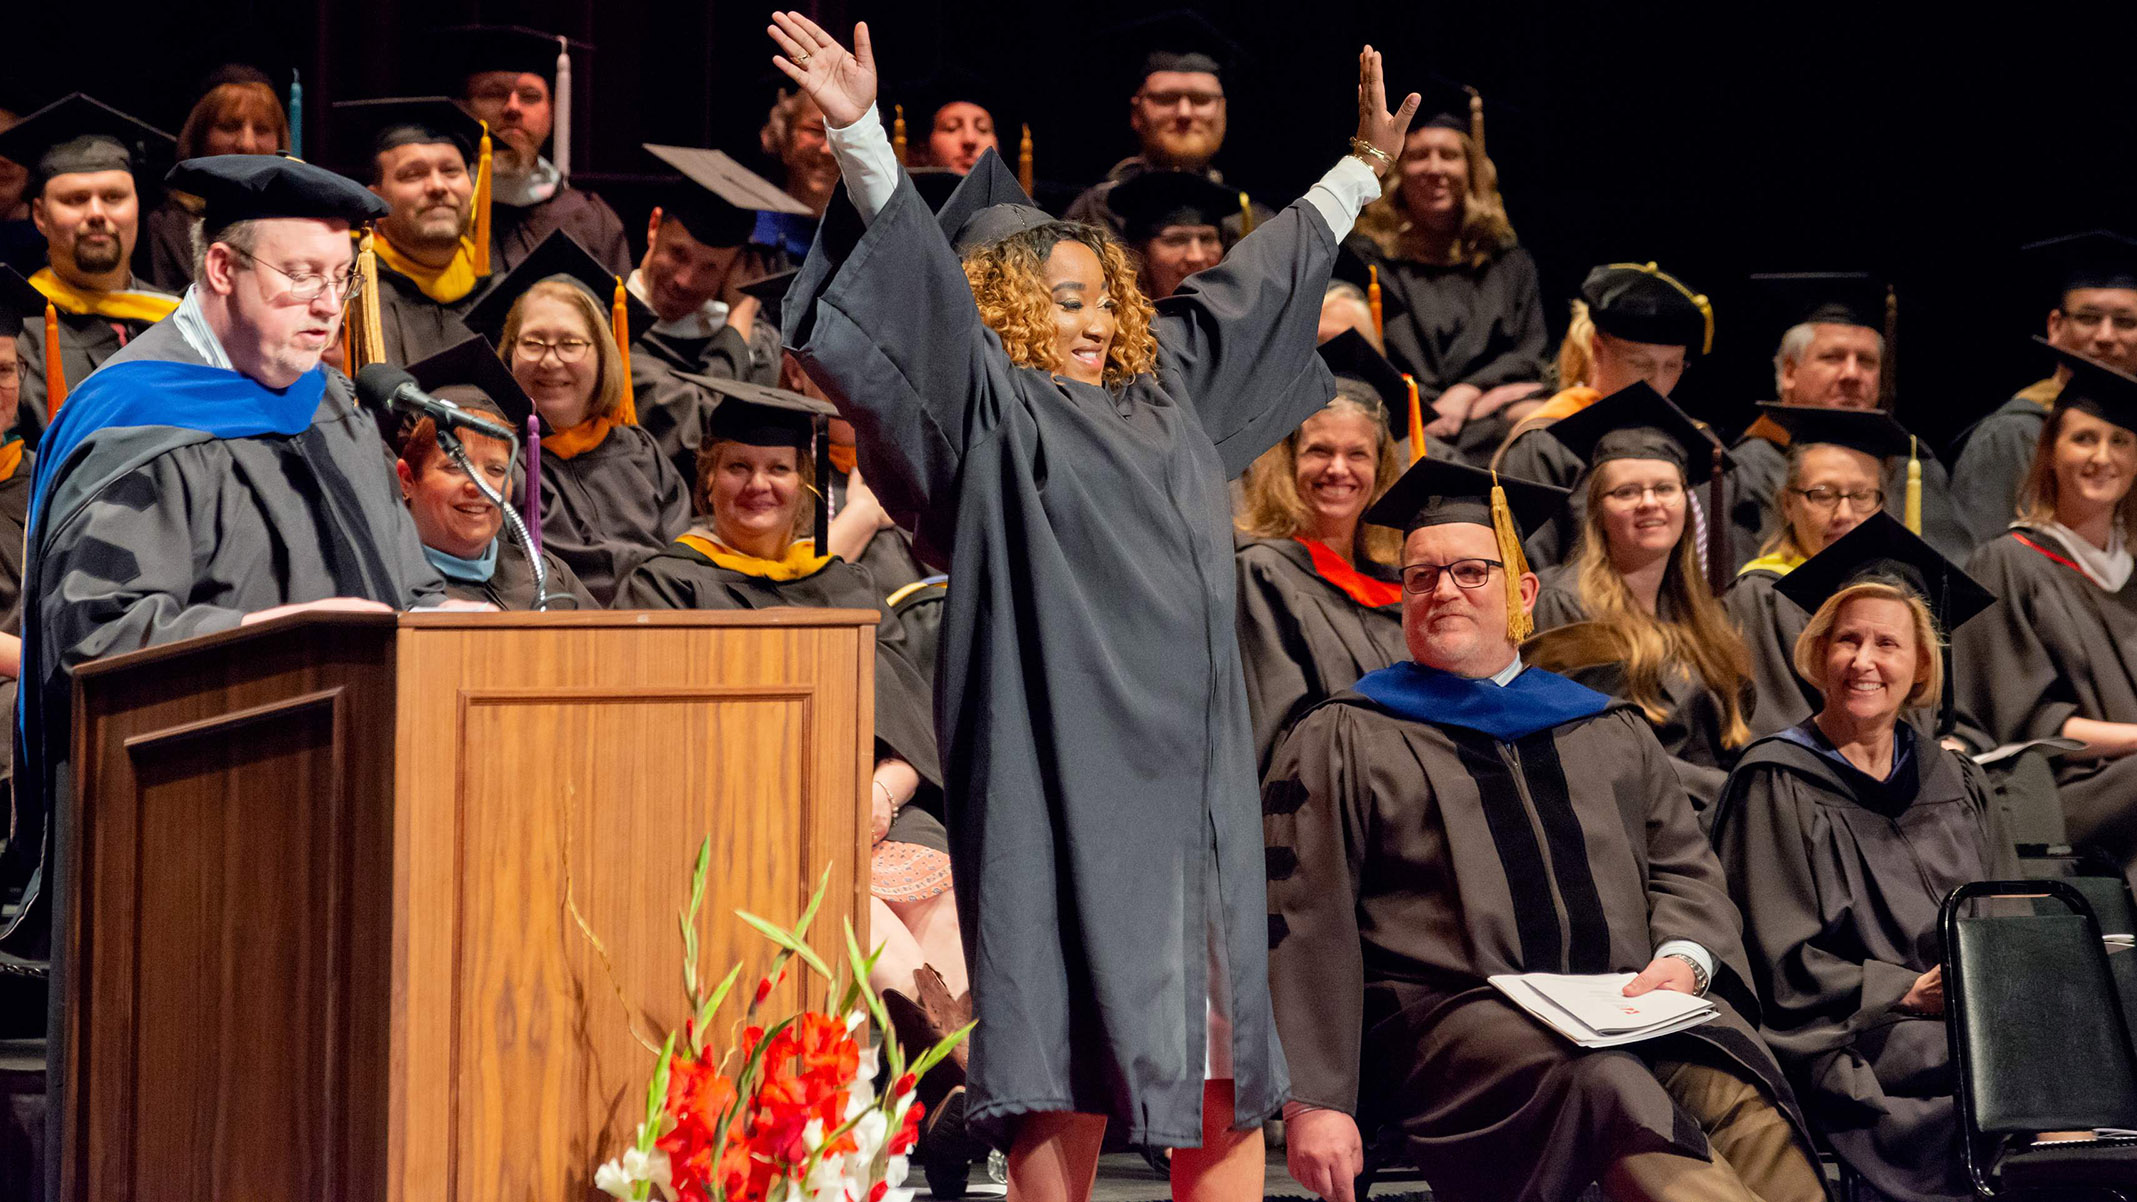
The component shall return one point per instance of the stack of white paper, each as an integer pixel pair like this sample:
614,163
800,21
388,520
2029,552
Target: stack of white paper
1594,1012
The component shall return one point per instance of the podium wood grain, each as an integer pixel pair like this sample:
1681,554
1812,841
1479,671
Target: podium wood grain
321,945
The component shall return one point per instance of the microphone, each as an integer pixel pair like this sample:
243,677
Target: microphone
384,386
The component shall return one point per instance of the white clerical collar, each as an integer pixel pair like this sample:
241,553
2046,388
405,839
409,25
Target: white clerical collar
193,326
702,322
1505,676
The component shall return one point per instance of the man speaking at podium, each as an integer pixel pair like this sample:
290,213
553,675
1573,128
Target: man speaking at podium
211,474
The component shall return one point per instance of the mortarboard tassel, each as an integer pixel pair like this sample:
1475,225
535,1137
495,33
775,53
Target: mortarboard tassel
55,370
1246,215
296,116
1914,484
619,325
1024,176
1888,375
897,133
1717,531
367,341
482,204
1417,419
1372,301
1476,118
1519,626
560,145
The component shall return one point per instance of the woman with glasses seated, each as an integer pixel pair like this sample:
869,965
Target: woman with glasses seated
610,499
1836,470
1841,836
1630,614
2059,655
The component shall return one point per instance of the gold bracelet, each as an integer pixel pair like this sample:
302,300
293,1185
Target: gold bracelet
1360,147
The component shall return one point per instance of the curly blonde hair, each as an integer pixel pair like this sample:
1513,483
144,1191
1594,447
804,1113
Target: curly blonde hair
1273,507
1008,281
1486,231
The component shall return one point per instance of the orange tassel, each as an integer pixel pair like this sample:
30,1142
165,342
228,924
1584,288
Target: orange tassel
55,371
619,326
1417,420
482,204
1372,301
1024,160
897,134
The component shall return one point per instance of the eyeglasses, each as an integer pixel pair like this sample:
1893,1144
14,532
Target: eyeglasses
570,350
308,286
1468,574
1630,494
1173,98
1825,500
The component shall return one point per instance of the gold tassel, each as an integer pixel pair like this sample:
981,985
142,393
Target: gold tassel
367,344
897,133
1246,215
1519,625
482,204
1372,301
1914,484
1417,420
55,370
1476,119
619,325
1024,176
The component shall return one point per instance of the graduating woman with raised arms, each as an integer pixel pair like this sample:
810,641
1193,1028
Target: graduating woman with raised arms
1094,733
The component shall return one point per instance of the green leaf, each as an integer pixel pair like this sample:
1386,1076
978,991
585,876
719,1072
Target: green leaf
789,940
943,1047
711,1004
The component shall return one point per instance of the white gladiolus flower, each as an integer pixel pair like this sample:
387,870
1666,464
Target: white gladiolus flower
812,1135
869,1133
611,1179
894,1172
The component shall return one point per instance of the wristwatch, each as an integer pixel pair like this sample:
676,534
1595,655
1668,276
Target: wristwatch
1699,975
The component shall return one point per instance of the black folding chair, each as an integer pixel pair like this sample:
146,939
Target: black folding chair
2039,1044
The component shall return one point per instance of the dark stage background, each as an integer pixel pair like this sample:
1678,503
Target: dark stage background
1718,140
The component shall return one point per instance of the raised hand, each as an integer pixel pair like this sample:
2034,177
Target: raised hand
842,84
1378,128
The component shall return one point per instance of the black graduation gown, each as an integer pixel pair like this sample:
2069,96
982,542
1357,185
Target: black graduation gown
612,507
673,409
86,342
164,256
682,577
152,534
1993,459
1098,756
1691,732
511,586
1409,861
413,326
14,525
1449,324
2056,646
1840,878
1762,470
1302,639
515,230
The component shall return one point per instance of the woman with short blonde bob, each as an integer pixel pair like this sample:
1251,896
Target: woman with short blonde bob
1320,594
2060,655
610,499
1067,453
1841,837
1631,614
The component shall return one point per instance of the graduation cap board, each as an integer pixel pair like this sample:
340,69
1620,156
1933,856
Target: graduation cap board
1350,357
1849,298
762,416
1179,40
1455,106
386,122
914,105
1636,422
472,368
465,50
2094,259
718,199
2105,392
1438,492
560,257
18,302
1150,203
248,187
987,206
1639,302
1870,431
77,134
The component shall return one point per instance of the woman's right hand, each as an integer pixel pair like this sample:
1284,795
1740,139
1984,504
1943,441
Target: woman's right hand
1926,995
842,84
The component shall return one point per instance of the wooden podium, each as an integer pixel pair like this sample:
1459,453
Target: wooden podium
320,947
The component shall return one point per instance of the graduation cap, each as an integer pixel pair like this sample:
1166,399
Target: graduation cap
390,121
1882,551
78,133
1351,357
1440,492
1870,431
2108,393
18,302
987,206
1455,106
471,368
1148,203
247,187
2094,259
1636,422
1640,302
1847,298
560,257
1179,40
465,50
913,105
718,199
759,415
771,291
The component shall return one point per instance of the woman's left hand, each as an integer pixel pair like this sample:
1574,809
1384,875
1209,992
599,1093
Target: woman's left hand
1378,128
